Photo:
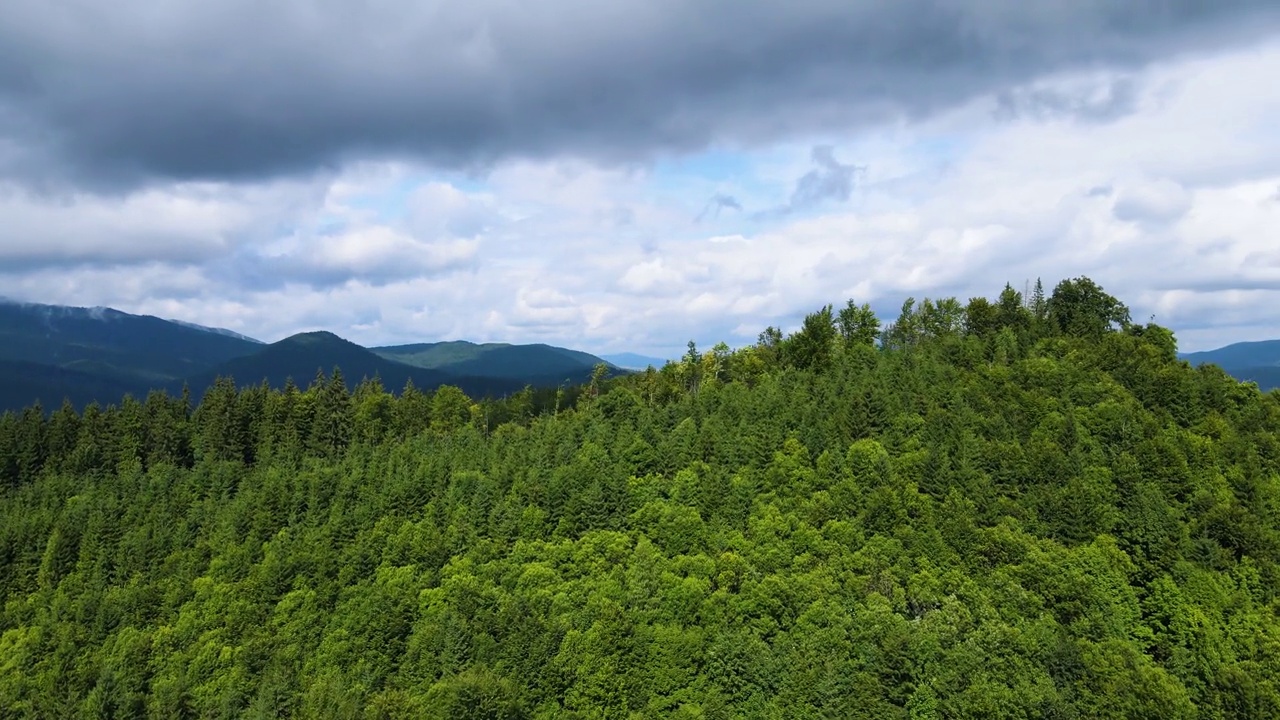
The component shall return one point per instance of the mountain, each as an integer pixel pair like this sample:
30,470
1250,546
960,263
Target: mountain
437,354
25,383
301,356
535,364
217,330
138,349
1267,378
633,361
51,352
1247,361
1263,353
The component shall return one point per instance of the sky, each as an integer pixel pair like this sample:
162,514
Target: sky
631,175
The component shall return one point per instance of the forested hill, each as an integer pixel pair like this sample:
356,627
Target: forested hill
1017,508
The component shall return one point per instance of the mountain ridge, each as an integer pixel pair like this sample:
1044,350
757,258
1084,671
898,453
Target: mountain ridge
537,363
300,357
52,352
634,361
1255,361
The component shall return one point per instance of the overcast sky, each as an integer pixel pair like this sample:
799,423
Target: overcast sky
632,174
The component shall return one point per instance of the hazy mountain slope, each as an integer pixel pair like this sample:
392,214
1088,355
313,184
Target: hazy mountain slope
114,343
217,330
1239,355
436,354
101,353
24,383
1268,378
301,356
633,361
535,364
1247,361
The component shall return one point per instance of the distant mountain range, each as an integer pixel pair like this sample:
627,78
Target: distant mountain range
542,365
49,353
52,352
632,361
1257,362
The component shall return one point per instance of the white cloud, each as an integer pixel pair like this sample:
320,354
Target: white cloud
1155,203
183,223
382,252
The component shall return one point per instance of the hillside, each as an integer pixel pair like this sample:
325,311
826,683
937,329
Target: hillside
111,343
634,361
536,364
1251,361
1002,509
100,354
302,356
1267,378
436,354
1263,353
23,383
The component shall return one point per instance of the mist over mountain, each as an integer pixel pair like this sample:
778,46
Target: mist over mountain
140,349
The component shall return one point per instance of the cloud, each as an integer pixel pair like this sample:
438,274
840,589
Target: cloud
375,255
539,308
719,202
656,277
186,223
1092,101
441,209
235,90
543,211
830,180
1156,203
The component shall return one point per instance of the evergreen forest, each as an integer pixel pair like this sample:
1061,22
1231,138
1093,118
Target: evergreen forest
1016,507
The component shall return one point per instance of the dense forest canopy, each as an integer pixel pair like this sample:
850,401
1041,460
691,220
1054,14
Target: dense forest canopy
1024,507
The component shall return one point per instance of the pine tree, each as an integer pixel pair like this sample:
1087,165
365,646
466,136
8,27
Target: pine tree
331,418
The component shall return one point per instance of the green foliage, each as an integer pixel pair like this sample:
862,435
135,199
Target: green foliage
991,515
812,345
1079,307
858,324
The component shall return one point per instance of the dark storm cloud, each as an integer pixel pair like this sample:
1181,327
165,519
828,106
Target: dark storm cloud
132,91
1109,101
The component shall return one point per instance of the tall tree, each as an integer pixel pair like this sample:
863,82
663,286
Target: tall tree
812,345
331,422
858,324
1081,308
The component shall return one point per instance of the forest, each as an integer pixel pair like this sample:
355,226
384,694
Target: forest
1018,507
